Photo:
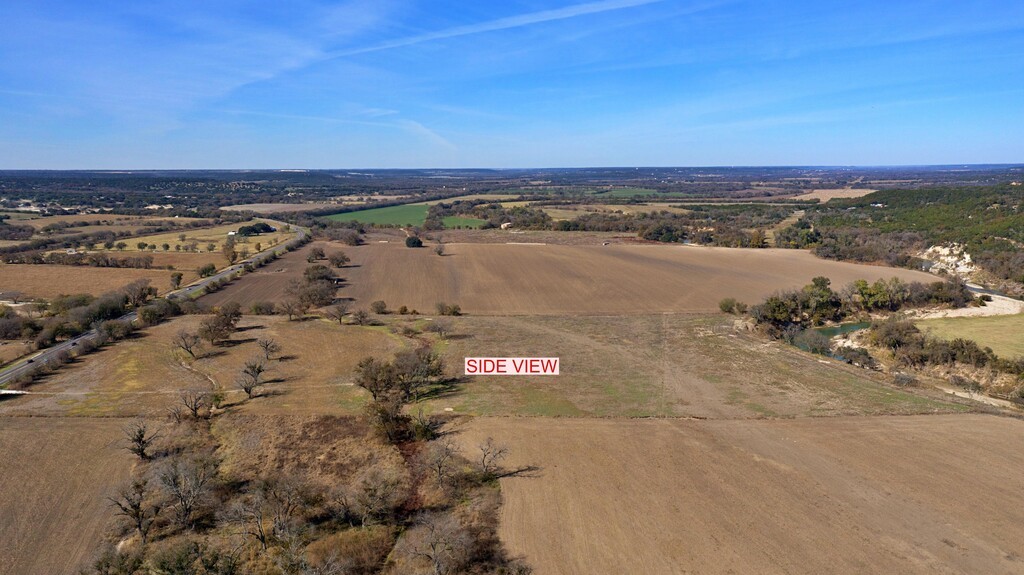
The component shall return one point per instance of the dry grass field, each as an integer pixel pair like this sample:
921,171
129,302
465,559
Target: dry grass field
660,365
143,375
216,235
12,350
615,279
47,281
824,196
921,494
57,473
1003,333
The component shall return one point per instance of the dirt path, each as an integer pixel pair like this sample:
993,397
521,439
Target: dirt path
920,494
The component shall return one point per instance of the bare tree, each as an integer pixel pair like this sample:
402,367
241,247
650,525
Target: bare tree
250,513
176,412
338,312
255,367
133,502
186,483
415,370
251,377
269,347
188,342
439,457
247,385
490,454
214,329
360,317
139,438
377,492
442,542
338,259
193,400
376,376
138,292
442,327
292,308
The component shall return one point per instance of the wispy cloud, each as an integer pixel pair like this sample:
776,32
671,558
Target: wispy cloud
418,129
411,127
507,23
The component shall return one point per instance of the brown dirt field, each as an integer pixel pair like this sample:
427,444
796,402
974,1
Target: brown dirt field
615,279
143,375
57,474
824,196
47,281
921,494
270,282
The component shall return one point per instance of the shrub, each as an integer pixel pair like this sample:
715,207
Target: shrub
814,342
904,380
413,242
262,308
379,307
446,309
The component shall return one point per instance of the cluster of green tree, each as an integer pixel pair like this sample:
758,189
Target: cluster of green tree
493,214
729,225
891,226
785,314
255,229
913,349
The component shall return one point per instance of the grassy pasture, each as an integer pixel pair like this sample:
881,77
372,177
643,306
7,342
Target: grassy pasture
143,375
659,365
204,236
403,215
1003,333
453,221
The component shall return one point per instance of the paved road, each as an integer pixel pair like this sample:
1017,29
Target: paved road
18,368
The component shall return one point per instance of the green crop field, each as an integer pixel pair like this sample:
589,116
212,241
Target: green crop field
455,221
1002,332
404,215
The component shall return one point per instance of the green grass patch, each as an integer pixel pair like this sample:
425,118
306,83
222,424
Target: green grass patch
459,221
1003,333
404,215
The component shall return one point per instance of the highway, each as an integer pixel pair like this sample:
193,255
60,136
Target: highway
17,368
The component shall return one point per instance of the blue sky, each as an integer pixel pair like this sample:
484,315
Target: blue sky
394,83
